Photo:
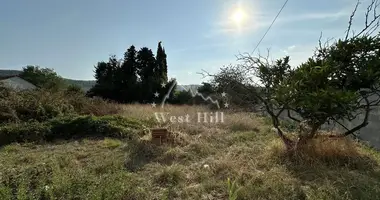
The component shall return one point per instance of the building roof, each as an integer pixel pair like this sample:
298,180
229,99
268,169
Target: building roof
17,83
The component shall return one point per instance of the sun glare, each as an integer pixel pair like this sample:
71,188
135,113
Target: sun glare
238,16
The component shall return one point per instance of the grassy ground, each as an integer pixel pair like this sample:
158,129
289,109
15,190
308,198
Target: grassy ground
197,167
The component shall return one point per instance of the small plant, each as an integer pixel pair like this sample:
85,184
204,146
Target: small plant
111,143
170,176
233,189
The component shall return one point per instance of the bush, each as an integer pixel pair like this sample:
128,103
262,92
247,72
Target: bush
70,127
39,105
95,106
74,89
84,126
43,78
181,97
24,132
42,105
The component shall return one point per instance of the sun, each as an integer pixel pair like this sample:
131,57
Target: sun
238,16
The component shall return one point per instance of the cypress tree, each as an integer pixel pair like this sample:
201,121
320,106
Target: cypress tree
128,76
162,64
146,65
104,75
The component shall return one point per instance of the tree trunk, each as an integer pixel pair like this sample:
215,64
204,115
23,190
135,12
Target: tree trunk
289,144
307,132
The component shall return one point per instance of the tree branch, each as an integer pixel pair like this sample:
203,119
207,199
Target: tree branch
340,124
363,124
373,6
351,18
294,119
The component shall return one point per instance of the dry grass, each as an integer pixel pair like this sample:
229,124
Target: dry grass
197,167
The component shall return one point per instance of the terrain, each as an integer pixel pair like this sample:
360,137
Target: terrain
196,165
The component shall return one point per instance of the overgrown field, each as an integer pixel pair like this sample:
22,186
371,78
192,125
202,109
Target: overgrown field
111,157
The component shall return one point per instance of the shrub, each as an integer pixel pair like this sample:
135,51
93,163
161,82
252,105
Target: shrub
84,126
43,77
74,89
42,105
111,143
181,97
39,105
170,176
95,106
23,132
69,127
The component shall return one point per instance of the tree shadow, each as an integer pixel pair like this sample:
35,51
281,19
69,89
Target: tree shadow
340,163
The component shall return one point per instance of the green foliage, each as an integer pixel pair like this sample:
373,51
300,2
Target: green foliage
85,85
162,66
43,77
329,86
206,88
134,79
33,105
146,64
127,80
82,126
41,105
181,97
74,90
233,189
69,127
111,143
335,84
23,132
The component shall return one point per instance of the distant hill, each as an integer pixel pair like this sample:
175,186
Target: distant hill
9,72
87,84
187,87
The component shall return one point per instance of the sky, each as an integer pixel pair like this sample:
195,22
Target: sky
71,36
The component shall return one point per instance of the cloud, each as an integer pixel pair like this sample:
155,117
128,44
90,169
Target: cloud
314,16
289,49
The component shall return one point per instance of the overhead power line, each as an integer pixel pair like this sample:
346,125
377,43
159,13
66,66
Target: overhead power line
270,26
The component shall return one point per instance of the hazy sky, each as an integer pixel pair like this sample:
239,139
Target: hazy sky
71,36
